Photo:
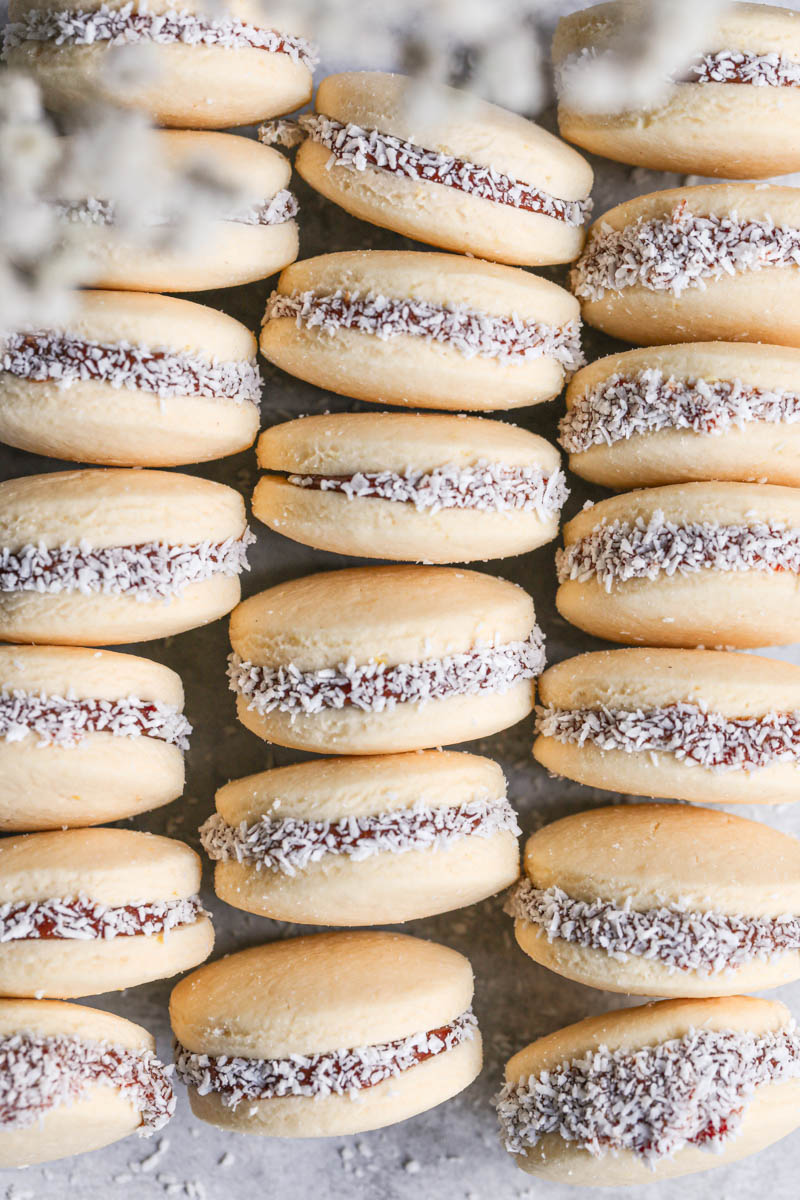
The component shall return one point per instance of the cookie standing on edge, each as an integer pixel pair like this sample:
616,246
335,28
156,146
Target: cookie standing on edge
720,262
74,1079
643,1094
673,414
114,556
85,911
208,69
426,330
363,841
661,900
695,564
375,660
131,379
326,1035
706,726
407,486
450,170
732,111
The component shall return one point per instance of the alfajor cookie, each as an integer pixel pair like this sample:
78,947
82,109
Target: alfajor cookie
698,725
375,660
429,488
731,110
450,170
661,900
695,564
425,330
672,414
327,1035
74,1079
207,68
712,263
86,736
237,242
84,911
643,1094
364,841
131,379
113,556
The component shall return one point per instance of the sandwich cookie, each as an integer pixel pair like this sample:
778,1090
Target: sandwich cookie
731,111
86,736
208,69
649,1093
74,1079
699,725
424,330
673,414
453,171
661,900
697,264
131,379
84,911
250,239
327,1035
402,486
694,564
117,556
375,660
364,841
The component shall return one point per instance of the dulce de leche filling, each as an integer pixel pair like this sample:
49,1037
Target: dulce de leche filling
65,720
82,919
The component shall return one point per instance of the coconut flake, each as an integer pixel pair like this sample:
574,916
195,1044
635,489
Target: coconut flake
375,687
38,1074
615,552
691,1091
680,938
470,332
66,720
83,919
336,1073
93,210
736,66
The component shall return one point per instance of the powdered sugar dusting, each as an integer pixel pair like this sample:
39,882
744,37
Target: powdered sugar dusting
654,1101
681,251
38,1074
374,687
151,571
337,1073
67,360
735,66
618,551
486,486
83,919
687,731
289,845
682,939
66,720
471,333
132,23
625,406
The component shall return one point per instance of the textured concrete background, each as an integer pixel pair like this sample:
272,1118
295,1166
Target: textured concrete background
452,1152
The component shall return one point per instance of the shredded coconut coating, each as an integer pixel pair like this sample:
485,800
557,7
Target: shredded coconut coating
93,210
358,149
289,845
486,486
471,333
151,571
374,687
66,360
705,942
66,720
134,23
625,406
336,1073
655,1101
38,1074
734,66
83,919
679,252
618,551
